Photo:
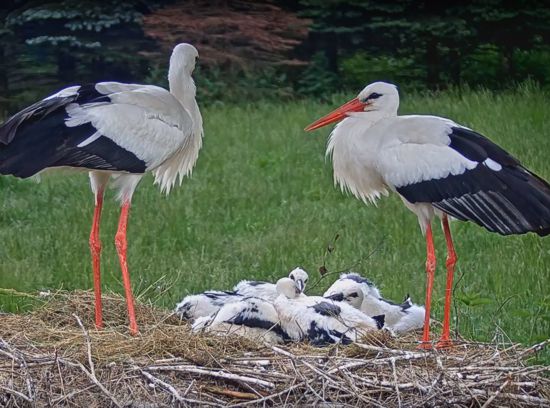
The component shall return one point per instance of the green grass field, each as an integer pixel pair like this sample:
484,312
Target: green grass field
261,201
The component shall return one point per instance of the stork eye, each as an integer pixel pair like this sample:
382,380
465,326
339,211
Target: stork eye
374,95
354,294
292,277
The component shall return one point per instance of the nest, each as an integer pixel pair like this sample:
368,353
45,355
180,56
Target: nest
54,356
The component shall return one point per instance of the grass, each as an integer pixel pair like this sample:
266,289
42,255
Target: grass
261,201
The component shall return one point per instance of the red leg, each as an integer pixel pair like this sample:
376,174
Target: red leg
121,246
445,340
95,249
430,270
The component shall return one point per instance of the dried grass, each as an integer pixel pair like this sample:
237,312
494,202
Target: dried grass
54,357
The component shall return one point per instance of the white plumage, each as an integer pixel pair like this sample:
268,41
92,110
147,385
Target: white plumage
205,304
267,290
439,168
318,320
116,131
399,318
253,318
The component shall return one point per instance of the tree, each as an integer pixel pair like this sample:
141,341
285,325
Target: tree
230,34
71,41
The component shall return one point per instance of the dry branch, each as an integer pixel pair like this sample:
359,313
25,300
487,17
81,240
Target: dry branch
54,356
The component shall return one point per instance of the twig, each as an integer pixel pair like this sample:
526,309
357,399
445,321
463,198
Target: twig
88,344
71,394
231,393
93,378
163,384
535,348
271,396
488,402
543,402
395,380
13,292
19,394
353,364
20,358
218,374
188,388
347,269
391,385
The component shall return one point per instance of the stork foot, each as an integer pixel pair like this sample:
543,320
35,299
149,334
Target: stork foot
425,345
444,344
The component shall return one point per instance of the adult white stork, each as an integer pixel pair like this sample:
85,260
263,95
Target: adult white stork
439,168
117,131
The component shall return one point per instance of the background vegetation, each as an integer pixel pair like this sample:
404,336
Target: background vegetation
261,199
273,49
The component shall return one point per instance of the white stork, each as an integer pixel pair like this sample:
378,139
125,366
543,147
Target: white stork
116,131
251,317
439,168
267,290
399,317
319,320
203,304
206,303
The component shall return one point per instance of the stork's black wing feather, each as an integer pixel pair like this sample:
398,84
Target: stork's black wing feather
326,309
37,137
319,336
498,194
250,316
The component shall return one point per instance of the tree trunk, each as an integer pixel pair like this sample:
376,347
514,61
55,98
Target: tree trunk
66,67
331,51
508,63
4,90
432,64
456,67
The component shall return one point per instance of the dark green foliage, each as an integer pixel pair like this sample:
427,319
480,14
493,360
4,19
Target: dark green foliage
62,42
317,80
416,44
431,44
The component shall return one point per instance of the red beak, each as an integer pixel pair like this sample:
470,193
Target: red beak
355,105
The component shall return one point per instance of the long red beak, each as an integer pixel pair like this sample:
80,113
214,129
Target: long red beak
355,105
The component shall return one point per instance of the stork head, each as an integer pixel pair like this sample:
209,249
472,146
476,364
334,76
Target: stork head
300,277
185,56
287,287
346,290
381,97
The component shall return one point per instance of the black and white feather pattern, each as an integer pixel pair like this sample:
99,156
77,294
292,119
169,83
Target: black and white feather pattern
204,304
250,317
498,193
38,137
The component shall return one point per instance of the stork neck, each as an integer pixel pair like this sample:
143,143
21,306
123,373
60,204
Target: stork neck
183,88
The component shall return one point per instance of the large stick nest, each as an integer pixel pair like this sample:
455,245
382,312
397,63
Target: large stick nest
54,356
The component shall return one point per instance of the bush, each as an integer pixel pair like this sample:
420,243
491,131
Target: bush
317,80
361,69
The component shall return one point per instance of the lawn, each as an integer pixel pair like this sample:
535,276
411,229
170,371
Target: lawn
261,201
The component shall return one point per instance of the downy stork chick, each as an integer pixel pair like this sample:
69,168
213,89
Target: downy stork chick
205,304
399,317
267,290
318,320
253,318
